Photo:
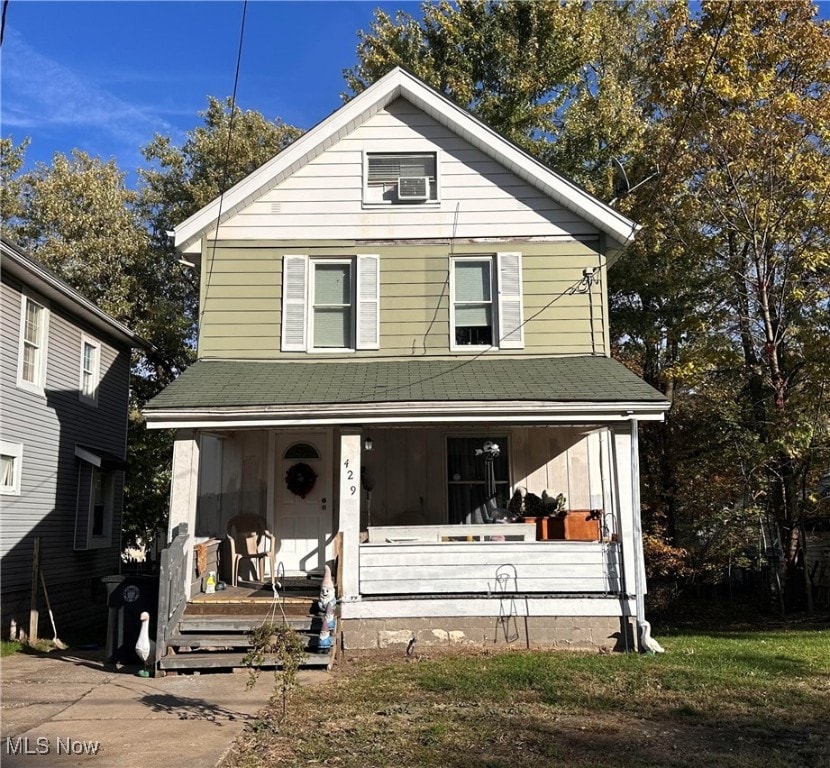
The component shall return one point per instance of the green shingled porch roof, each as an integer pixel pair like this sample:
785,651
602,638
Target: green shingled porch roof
234,383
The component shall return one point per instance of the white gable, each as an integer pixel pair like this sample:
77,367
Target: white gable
478,196
489,187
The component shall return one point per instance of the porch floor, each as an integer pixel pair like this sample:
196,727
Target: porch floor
292,591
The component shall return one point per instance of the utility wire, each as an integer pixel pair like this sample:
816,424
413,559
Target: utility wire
446,281
226,163
3,21
569,291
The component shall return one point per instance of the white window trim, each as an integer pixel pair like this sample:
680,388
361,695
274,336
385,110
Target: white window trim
15,450
38,386
395,149
96,371
365,303
494,319
312,273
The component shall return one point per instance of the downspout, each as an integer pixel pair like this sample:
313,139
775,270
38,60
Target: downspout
614,501
647,643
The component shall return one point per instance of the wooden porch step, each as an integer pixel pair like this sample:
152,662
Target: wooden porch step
260,609
242,623
209,640
215,660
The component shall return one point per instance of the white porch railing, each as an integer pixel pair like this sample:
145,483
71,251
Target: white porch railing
444,567
389,534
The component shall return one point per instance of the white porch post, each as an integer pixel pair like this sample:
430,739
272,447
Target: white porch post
184,491
349,474
626,477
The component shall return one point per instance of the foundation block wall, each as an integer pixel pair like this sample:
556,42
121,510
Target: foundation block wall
561,632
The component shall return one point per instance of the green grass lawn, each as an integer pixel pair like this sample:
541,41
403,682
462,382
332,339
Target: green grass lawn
9,647
715,699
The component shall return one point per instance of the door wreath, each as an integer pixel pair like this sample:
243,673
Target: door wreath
300,479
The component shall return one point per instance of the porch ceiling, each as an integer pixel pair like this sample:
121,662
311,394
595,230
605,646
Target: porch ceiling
569,383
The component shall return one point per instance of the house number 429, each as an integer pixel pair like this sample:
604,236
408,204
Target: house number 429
350,476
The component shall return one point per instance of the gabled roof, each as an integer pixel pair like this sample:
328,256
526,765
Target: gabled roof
33,274
404,390
401,84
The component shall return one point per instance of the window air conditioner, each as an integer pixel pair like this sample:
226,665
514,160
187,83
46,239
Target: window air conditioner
413,188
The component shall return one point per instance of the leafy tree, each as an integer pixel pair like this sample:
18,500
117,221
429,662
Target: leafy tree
182,180
78,217
752,181
11,161
562,81
722,300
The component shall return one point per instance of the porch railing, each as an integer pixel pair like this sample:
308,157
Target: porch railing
475,567
172,590
391,534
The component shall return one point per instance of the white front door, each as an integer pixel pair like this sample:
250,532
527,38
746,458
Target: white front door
303,507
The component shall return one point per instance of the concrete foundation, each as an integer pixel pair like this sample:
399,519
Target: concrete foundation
563,632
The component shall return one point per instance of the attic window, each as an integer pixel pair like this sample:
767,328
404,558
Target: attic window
405,178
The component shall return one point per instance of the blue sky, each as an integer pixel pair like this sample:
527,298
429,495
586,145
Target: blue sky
105,76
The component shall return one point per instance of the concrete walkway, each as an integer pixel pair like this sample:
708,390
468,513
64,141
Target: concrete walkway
71,709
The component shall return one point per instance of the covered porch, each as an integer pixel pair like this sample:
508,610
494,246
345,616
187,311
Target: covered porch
423,543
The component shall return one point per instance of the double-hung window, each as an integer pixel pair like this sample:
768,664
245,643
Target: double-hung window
34,327
90,371
486,302
473,302
400,178
330,304
11,460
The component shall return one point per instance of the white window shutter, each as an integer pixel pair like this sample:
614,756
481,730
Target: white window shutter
368,302
294,314
511,320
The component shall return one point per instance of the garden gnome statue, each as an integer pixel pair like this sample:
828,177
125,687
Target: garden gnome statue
326,605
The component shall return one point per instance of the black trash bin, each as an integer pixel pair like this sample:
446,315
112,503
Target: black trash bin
129,597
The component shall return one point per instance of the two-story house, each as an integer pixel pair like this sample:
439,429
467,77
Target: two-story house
384,301
65,377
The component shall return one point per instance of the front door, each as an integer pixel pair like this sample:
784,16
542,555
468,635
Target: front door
303,501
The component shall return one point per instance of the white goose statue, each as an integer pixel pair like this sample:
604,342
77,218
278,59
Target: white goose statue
145,648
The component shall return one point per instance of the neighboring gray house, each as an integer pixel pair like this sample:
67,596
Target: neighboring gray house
65,386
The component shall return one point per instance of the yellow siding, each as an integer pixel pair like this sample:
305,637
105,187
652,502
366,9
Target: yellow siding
242,297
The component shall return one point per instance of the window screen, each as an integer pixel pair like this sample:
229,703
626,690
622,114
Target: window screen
332,305
473,303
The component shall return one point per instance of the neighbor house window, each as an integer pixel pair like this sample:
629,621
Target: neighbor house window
100,504
400,178
478,480
486,302
96,496
34,323
90,370
330,304
11,460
